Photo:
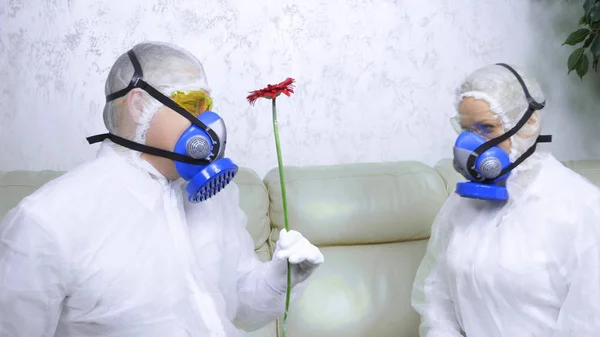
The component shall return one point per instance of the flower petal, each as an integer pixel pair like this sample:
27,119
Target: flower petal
271,91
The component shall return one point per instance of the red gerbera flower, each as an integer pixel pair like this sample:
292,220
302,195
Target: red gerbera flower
272,91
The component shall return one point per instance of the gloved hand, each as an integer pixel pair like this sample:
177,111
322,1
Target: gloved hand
304,258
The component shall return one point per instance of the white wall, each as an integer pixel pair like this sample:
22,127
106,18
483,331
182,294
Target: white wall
375,78
574,105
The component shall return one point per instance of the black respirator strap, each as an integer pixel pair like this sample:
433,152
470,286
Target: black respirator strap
147,149
138,74
533,106
138,82
532,102
525,155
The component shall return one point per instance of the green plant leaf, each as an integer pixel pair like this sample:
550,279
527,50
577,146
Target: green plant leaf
583,66
589,40
595,46
582,20
595,13
577,36
595,63
587,5
574,59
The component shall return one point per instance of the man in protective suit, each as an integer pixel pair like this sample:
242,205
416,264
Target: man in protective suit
116,248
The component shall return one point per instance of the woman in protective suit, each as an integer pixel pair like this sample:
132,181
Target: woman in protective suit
525,266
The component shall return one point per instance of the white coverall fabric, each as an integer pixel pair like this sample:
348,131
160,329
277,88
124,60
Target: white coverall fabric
113,249
529,267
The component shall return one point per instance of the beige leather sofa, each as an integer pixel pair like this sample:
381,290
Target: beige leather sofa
371,222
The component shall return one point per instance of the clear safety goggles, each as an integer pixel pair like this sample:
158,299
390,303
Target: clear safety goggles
193,101
491,127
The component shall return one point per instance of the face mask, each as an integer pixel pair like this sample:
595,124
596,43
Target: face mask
204,181
199,152
486,165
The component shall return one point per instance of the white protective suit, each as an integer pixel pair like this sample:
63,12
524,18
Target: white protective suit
529,267
114,249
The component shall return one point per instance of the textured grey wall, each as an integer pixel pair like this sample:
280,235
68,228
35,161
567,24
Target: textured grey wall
375,78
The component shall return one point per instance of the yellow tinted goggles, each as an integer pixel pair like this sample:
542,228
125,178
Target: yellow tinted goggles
193,101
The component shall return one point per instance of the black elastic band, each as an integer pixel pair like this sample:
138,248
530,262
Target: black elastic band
493,142
533,106
532,102
544,139
525,155
146,149
138,82
138,74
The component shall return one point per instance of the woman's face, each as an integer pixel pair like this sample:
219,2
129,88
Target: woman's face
475,115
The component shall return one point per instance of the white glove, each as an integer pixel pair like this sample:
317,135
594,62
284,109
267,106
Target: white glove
304,258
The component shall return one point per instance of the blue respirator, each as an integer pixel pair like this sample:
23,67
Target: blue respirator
199,152
204,181
486,182
484,164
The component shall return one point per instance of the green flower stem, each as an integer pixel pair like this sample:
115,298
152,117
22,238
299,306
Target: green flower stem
285,215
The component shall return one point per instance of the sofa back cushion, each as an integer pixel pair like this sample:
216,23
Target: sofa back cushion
16,185
371,222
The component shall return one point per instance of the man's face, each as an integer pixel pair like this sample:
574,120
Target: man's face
165,129
167,126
